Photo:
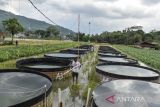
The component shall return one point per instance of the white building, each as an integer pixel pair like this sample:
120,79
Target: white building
134,28
20,35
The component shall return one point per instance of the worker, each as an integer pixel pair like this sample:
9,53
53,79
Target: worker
16,43
76,65
92,49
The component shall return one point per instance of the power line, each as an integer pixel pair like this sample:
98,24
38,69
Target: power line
58,27
42,12
44,15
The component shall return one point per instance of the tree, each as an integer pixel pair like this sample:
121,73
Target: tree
29,33
2,36
12,26
81,36
41,33
52,31
148,37
70,36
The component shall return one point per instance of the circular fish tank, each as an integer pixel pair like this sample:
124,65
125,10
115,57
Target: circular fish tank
112,55
61,56
126,93
117,60
49,66
107,49
88,47
23,88
126,71
75,51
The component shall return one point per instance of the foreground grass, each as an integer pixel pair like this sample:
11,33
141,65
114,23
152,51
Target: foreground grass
8,64
11,64
148,56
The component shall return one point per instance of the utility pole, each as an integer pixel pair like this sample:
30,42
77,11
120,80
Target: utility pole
89,30
59,28
19,6
9,6
78,31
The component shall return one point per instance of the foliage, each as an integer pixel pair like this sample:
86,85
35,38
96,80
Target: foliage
93,78
8,64
8,53
12,26
75,90
91,85
148,56
29,33
120,37
52,31
41,33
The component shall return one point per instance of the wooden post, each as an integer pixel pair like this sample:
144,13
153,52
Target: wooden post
60,104
89,90
45,95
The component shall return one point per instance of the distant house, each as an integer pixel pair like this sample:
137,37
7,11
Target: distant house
133,28
147,45
20,35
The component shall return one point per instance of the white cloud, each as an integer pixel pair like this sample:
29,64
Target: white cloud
104,14
151,2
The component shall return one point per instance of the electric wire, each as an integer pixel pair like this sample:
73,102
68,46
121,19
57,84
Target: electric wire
42,12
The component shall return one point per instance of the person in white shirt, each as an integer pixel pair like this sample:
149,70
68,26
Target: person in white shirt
92,49
76,65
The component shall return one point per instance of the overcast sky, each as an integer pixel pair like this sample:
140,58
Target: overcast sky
104,15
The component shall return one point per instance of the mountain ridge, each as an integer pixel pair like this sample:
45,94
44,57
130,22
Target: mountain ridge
29,23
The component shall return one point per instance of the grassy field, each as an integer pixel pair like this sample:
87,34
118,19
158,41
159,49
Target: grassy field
148,56
27,48
8,53
38,41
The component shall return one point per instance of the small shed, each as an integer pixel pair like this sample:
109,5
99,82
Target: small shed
147,45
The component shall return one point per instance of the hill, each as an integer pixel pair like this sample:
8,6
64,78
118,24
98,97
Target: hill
28,22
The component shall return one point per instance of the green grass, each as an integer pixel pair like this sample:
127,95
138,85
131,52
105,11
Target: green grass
148,56
11,64
9,53
93,79
8,64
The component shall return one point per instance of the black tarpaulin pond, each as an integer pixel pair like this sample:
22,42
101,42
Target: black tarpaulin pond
118,60
75,51
61,55
43,64
127,93
21,88
112,55
127,71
